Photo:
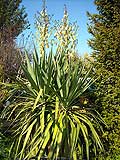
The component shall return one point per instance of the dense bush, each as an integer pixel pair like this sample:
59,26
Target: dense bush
105,29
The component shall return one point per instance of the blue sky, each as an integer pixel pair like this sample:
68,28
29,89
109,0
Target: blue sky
77,12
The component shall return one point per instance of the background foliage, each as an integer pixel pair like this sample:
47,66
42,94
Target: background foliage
105,29
13,20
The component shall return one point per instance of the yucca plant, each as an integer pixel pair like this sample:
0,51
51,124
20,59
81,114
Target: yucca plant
45,114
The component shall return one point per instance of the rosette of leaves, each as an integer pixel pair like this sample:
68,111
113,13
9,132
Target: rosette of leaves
46,118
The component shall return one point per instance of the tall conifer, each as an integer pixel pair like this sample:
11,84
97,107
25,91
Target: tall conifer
105,29
13,19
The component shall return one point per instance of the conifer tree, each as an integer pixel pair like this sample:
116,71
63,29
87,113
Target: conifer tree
13,19
105,29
